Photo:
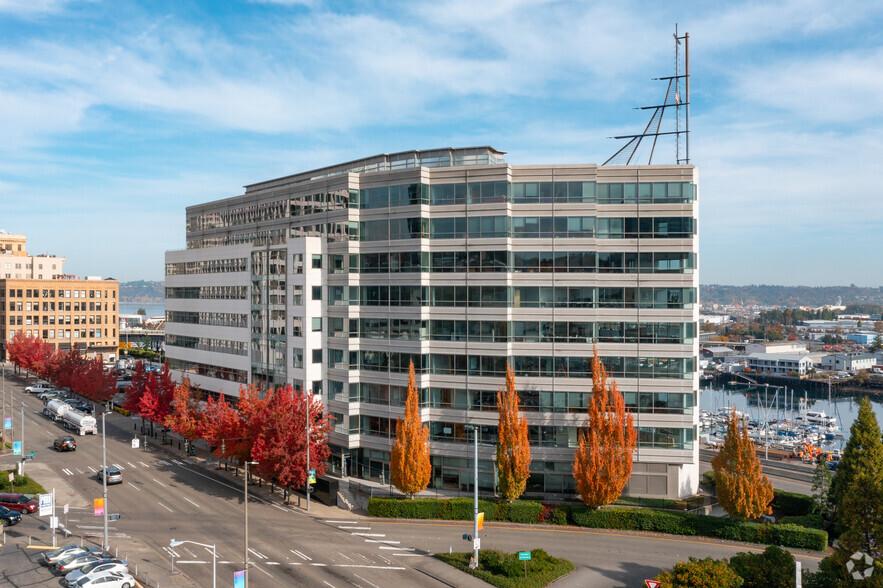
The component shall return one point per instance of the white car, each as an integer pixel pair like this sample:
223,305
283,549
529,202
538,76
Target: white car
107,580
96,569
39,387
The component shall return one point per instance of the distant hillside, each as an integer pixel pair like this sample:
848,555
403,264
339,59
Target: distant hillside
142,292
789,296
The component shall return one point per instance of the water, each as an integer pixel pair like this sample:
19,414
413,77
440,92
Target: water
151,309
750,399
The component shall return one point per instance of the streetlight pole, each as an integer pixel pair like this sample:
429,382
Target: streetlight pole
22,438
176,543
475,489
307,399
245,552
104,475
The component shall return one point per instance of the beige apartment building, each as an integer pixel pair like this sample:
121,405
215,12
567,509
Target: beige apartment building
38,298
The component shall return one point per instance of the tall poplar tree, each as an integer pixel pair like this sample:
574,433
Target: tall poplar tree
409,463
513,447
603,461
742,489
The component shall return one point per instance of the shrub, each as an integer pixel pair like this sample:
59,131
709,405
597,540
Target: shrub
507,571
559,516
792,503
708,479
525,512
700,573
774,568
811,521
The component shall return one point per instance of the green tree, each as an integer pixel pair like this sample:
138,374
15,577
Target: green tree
700,573
774,568
877,343
821,488
141,311
863,453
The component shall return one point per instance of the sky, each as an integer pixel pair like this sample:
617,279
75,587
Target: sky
116,115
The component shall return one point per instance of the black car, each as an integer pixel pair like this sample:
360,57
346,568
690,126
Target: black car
84,407
65,443
9,516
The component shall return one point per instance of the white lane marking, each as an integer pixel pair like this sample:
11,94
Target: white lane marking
322,565
190,501
93,470
164,506
118,466
239,489
257,553
389,561
134,486
369,534
67,471
398,548
356,528
363,556
360,577
171,551
160,483
131,464
228,562
191,561
163,462
257,567
369,567
387,541
81,471
190,552
301,555
327,584
343,522
144,464
178,462
271,563
345,557
408,554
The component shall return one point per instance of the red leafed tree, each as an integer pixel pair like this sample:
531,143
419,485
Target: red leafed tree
28,352
93,382
65,367
39,357
221,422
603,461
186,417
135,389
233,430
17,348
409,463
280,446
513,446
156,402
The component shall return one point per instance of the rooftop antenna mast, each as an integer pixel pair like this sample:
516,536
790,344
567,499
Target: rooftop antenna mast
673,99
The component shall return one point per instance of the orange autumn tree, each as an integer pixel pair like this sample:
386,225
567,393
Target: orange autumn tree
409,463
742,489
603,461
513,447
186,417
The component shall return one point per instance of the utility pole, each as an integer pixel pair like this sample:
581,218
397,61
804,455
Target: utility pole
104,475
475,508
22,438
245,552
307,398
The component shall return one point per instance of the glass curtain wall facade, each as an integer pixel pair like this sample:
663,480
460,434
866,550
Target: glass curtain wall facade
458,262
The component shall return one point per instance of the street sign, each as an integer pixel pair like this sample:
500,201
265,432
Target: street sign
480,521
16,448
67,507
239,579
312,474
98,505
11,477
476,543
136,443
45,504
113,517
524,555
652,583
53,522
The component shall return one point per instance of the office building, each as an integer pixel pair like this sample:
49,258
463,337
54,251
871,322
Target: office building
336,279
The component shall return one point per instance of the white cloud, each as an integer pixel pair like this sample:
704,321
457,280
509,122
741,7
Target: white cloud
31,7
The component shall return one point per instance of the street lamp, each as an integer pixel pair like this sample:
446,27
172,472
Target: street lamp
176,543
245,552
475,488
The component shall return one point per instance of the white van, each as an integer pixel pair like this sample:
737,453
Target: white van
842,375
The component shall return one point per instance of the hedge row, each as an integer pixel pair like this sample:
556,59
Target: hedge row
459,509
658,521
676,523
792,504
505,570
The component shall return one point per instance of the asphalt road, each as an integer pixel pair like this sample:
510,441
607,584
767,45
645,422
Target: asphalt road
166,496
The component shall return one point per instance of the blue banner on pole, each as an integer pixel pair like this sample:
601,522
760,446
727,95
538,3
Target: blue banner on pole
7,423
239,579
16,448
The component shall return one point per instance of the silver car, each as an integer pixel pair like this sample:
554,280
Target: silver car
56,555
107,580
96,569
75,562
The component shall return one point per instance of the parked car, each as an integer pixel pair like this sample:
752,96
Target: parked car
55,556
39,387
107,580
85,407
96,569
47,395
114,475
19,502
65,443
9,517
75,562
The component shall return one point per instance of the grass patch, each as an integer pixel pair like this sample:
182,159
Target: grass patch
505,570
23,484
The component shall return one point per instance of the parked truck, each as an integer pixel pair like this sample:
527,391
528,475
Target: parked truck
80,422
56,409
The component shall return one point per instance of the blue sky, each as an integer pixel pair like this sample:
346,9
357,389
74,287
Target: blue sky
116,115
